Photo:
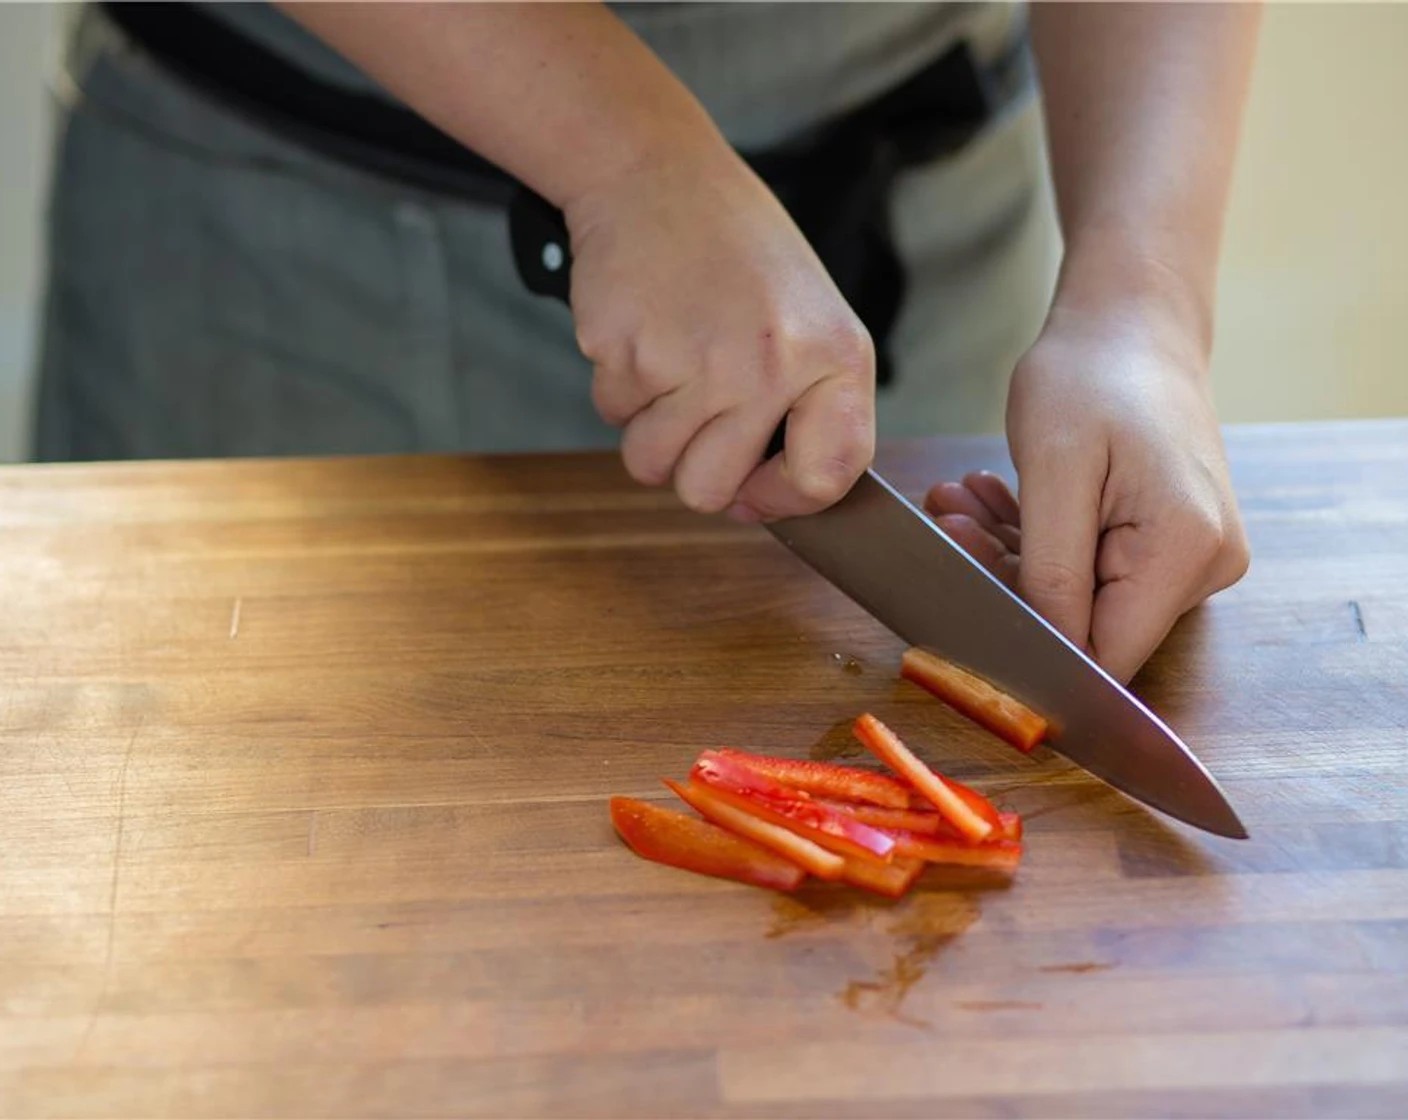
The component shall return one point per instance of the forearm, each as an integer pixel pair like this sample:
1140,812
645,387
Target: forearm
563,96
1144,106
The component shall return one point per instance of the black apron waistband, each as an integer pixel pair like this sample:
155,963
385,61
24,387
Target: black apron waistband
934,112
835,179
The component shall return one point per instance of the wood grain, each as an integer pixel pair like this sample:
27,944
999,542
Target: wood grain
303,768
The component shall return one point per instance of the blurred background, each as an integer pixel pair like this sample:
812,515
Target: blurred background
1313,316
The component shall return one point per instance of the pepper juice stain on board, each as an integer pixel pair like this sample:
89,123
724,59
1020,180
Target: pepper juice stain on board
819,904
790,914
925,925
838,742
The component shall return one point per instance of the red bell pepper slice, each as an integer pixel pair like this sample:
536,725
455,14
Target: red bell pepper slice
924,821
975,698
1009,827
824,779
708,804
976,802
834,831
1000,855
972,823
891,879
731,768
668,837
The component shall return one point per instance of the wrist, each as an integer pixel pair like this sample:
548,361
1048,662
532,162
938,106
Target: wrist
660,154
1156,286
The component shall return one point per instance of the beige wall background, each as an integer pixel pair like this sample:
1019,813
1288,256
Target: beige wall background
1313,301
1313,305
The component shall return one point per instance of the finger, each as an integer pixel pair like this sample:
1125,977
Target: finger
830,441
1060,528
982,546
721,456
946,498
655,438
993,492
1010,536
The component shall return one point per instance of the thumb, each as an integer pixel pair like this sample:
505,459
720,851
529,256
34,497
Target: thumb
1060,532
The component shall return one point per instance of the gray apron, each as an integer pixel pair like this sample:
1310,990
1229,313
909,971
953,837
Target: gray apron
215,290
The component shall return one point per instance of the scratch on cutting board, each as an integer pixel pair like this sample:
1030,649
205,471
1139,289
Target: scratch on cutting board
235,618
1357,613
112,892
1079,967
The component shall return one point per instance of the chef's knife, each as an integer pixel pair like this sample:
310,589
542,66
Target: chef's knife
892,560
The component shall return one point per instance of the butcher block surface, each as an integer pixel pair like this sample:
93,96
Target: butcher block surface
303,779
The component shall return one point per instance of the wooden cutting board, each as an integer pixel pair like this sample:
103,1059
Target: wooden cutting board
303,812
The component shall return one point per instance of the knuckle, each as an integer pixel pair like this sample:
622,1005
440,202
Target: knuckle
595,340
646,463
1236,560
1215,540
853,431
828,479
646,472
1202,534
606,399
851,349
802,348
702,497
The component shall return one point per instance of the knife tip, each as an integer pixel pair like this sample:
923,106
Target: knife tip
1225,822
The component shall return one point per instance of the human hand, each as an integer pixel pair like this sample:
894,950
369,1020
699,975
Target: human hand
1127,518
709,319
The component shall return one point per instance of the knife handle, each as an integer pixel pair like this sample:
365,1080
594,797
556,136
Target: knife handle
542,253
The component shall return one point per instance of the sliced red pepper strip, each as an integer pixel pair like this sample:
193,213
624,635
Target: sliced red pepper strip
812,857
732,768
975,698
832,830
1001,855
825,779
924,821
665,836
1009,827
891,879
976,802
973,824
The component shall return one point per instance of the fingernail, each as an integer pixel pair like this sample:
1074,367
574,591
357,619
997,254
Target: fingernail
743,514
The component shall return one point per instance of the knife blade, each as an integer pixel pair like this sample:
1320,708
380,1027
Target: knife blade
898,565
892,560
